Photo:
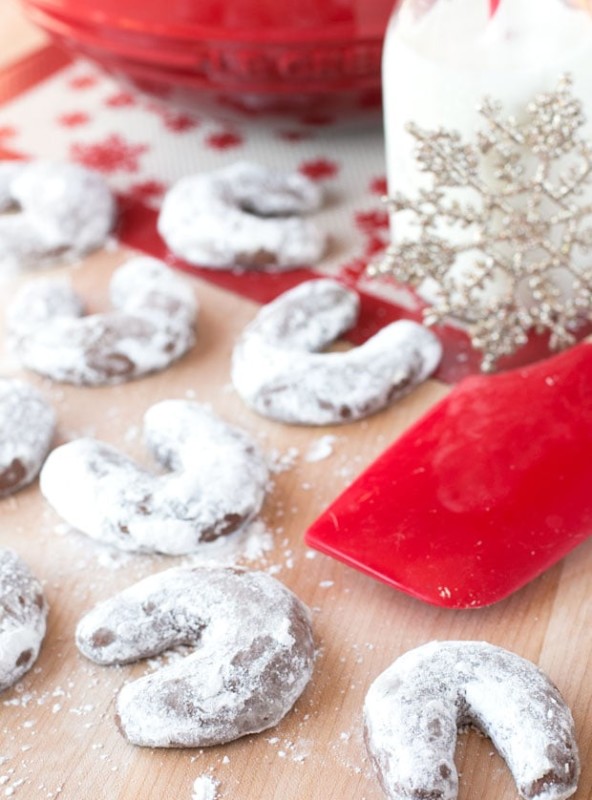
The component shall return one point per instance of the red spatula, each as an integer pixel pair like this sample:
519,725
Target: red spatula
485,492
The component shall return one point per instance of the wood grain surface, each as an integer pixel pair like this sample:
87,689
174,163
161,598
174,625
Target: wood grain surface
58,737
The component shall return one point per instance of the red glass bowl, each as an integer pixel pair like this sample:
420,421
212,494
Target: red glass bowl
257,54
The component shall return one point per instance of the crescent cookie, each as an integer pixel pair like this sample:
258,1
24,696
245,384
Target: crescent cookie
243,215
50,210
253,654
215,483
279,373
27,425
23,613
152,324
413,710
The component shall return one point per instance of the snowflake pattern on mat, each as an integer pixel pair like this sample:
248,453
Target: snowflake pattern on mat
73,119
223,140
319,169
293,136
378,186
121,99
113,154
7,132
173,120
179,122
82,82
372,222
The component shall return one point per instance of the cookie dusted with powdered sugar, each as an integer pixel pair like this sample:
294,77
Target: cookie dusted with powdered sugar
23,613
27,425
253,654
243,215
215,483
278,371
413,710
152,324
49,211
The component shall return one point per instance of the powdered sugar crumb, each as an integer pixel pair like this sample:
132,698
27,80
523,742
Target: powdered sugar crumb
320,449
205,788
111,558
132,434
62,529
282,462
297,752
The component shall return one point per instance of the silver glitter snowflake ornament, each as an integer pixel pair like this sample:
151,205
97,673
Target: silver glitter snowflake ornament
501,239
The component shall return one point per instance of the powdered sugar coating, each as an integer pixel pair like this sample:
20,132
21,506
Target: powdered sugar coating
205,787
277,371
151,326
413,710
57,210
27,424
8,172
215,484
253,654
243,215
23,613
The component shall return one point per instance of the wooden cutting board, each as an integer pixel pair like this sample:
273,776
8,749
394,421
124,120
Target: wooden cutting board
58,734
58,729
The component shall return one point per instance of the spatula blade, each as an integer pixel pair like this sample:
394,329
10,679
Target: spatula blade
484,493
